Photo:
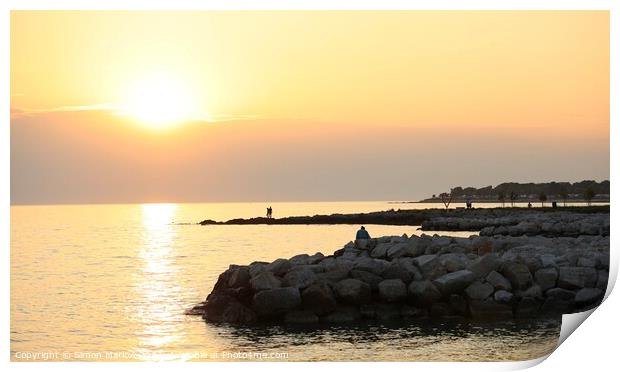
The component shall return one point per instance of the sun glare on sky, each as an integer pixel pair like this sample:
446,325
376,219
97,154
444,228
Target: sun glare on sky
159,101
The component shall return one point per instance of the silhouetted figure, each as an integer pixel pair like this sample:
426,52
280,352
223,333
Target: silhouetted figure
269,212
554,204
529,204
361,238
468,203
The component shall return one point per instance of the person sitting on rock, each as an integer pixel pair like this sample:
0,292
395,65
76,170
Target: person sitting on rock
361,238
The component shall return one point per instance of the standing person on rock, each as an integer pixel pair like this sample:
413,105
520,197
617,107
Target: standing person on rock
361,238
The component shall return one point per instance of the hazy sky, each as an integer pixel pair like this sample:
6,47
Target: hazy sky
270,106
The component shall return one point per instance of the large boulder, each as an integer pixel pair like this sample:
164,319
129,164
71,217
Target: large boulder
498,281
482,266
563,294
256,268
334,275
454,261
319,299
276,301
300,277
429,266
353,291
588,296
503,297
264,281
478,290
367,277
454,282
380,251
546,278
398,250
577,277
518,274
240,277
403,270
423,293
279,266
226,309
392,290
372,265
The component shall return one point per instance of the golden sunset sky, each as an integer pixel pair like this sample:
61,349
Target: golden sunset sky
323,105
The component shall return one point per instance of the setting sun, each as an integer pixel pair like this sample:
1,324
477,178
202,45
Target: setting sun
160,101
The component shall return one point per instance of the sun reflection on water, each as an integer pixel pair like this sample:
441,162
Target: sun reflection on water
158,293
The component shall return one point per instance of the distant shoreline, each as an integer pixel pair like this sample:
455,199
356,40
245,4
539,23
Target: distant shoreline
405,217
437,200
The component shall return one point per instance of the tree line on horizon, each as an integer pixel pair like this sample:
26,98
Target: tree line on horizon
514,191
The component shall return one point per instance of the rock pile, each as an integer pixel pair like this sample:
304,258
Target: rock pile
411,277
536,223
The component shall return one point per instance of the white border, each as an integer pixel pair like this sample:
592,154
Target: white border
592,346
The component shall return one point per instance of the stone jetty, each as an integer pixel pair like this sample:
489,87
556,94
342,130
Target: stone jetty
505,275
416,217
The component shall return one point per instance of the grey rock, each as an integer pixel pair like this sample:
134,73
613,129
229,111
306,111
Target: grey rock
334,275
319,299
300,259
264,281
367,277
380,251
534,292
315,258
400,270
353,291
602,279
279,266
225,309
478,290
454,282
454,261
560,293
498,281
546,278
577,277
276,301
398,250
392,290
588,296
482,266
429,266
372,265
423,293
256,268
240,277
503,297
586,262
518,274
299,278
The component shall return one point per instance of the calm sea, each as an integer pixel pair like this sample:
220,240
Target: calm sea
112,282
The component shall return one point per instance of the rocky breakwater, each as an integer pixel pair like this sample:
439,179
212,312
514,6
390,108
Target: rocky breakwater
533,223
400,277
